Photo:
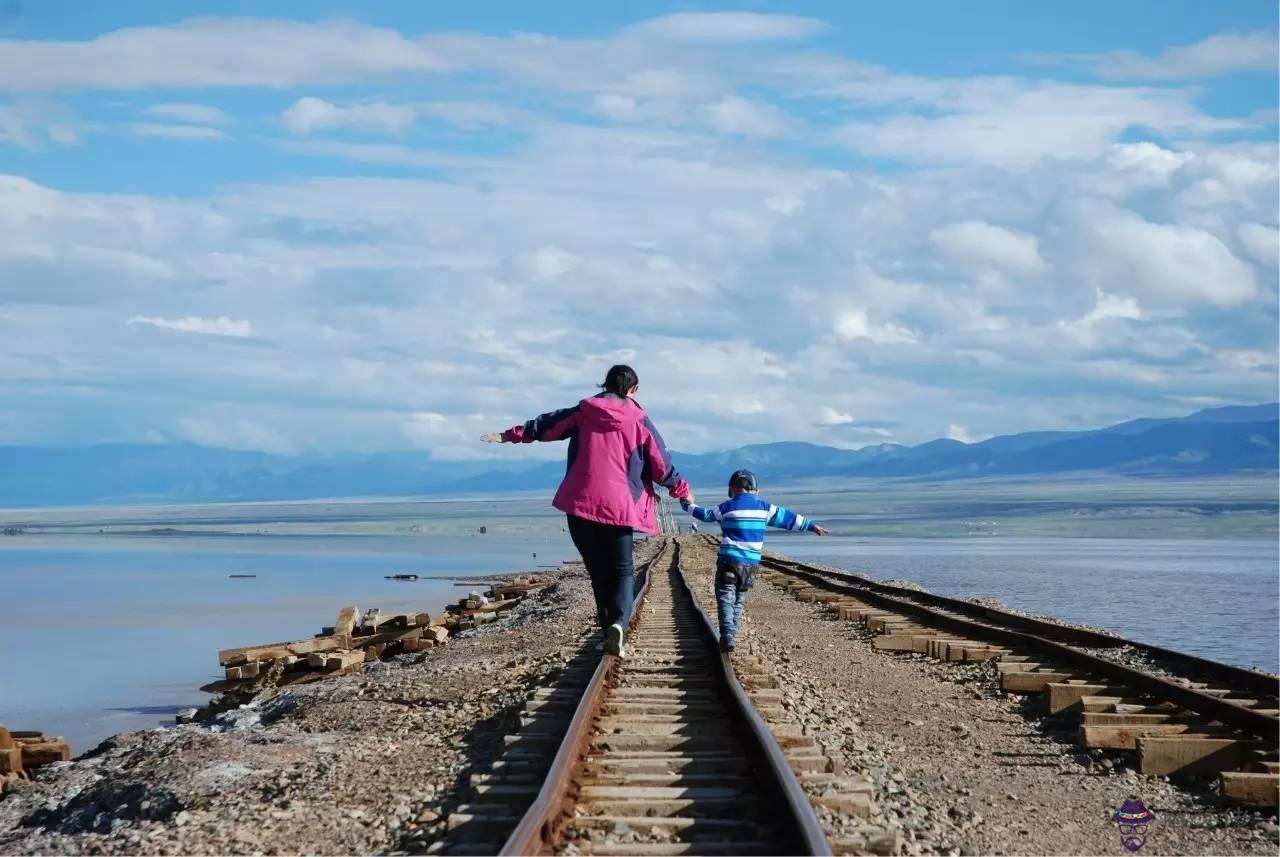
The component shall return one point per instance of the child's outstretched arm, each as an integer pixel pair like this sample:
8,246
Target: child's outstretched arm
700,512
785,519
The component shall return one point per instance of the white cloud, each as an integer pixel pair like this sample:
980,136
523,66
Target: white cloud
31,124
853,324
1223,53
1112,306
726,27
736,115
315,114
220,326
1106,308
829,416
194,114
220,426
493,277
548,263
1166,260
981,244
175,132
1261,242
1013,123
309,114
213,52
960,433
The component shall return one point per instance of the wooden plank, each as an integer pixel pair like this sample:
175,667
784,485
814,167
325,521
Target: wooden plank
1008,665
1065,695
39,753
270,651
6,740
893,643
1101,718
1175,756
345,626
983,653
1125,737
11,760
342,660
1031,682
1251,789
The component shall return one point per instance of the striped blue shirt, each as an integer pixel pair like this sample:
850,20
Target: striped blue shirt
743,520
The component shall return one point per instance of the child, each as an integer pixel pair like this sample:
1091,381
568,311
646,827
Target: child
743,518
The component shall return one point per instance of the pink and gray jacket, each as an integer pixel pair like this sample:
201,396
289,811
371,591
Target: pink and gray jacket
615,458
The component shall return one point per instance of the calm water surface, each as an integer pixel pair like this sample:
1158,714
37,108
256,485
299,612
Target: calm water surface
116,631
1216,598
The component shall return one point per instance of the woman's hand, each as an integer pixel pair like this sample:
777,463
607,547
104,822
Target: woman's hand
492,437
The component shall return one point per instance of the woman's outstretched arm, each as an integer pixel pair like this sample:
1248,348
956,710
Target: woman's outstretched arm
553,425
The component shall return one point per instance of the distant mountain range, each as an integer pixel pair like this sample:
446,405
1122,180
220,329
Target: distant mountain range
1215,441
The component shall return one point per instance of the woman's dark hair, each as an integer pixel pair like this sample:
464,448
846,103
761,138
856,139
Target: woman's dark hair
620,380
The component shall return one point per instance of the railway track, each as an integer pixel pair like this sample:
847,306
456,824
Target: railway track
1183,715
659,753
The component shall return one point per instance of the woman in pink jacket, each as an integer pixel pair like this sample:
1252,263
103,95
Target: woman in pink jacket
615,458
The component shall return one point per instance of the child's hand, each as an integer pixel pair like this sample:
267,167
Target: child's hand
492,437
820,531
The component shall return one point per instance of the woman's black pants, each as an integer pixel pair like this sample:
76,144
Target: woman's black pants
606,551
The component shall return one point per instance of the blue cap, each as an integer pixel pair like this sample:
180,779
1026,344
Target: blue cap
743,478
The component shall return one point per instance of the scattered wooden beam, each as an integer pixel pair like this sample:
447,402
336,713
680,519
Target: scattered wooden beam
1251,789
268,651
345,626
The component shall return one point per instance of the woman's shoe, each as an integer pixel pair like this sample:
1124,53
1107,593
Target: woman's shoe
613,641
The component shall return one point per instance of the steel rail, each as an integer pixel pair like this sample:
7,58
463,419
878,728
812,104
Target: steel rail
536,829
793,802
1253,681
536,832
1211,707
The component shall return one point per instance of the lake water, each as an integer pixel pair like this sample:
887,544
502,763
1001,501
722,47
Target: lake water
1215,598
113,631
114,616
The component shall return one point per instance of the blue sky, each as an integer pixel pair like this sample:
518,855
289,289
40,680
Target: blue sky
326,226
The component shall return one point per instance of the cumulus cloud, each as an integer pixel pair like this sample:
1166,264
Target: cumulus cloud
829,416
736,115
674,197
1261,242
1168,260
853,324
960,433
977,243
220,326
